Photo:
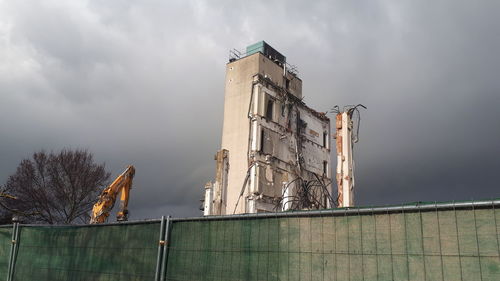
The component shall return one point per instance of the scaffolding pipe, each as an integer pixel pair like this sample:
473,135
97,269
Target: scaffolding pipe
356,211
165,249
161,243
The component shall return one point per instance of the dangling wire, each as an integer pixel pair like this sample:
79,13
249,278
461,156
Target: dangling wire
355,116
309,194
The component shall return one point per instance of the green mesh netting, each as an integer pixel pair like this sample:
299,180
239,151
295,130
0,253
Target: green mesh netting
443,245
5,242
432,245
109,252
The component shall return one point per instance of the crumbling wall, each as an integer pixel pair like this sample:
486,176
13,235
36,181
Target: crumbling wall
289,141
220,184
262,111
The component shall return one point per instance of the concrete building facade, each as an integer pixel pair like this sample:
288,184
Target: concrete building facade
275,151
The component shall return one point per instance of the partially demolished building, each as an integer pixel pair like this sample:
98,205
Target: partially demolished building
275,152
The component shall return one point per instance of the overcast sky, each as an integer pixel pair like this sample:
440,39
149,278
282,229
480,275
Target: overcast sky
142,83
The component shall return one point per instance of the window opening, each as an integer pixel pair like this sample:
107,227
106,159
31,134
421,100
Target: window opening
269,109
262,139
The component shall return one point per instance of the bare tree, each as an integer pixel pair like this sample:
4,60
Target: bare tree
6,213
56,188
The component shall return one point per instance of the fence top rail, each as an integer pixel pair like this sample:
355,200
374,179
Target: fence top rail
410,207
350,211
148,221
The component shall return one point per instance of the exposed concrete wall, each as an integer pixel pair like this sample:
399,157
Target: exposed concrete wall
267,150
235,130
220,184
282,151
275,73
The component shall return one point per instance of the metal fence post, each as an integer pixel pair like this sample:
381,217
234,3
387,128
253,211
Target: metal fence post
11,250
161,243
165,249
14,254
10,269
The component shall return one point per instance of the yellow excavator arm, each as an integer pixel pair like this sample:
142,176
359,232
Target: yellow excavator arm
122,184
5,195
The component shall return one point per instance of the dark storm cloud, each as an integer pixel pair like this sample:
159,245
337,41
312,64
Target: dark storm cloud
142,83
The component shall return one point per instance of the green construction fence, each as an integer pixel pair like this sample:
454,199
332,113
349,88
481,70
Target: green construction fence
5,242
433,241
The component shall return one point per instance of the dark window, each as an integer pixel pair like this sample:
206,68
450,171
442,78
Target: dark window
325,139
269,109
287,84
325,168
262,140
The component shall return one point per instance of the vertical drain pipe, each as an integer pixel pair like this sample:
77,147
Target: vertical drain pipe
161,242
11,254
165,250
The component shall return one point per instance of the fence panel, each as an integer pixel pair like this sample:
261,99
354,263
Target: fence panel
440,244
5,242
425,242
109,252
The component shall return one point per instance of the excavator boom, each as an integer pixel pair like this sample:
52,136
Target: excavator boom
122,184
5,195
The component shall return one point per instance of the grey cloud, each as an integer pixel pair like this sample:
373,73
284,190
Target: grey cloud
142,83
